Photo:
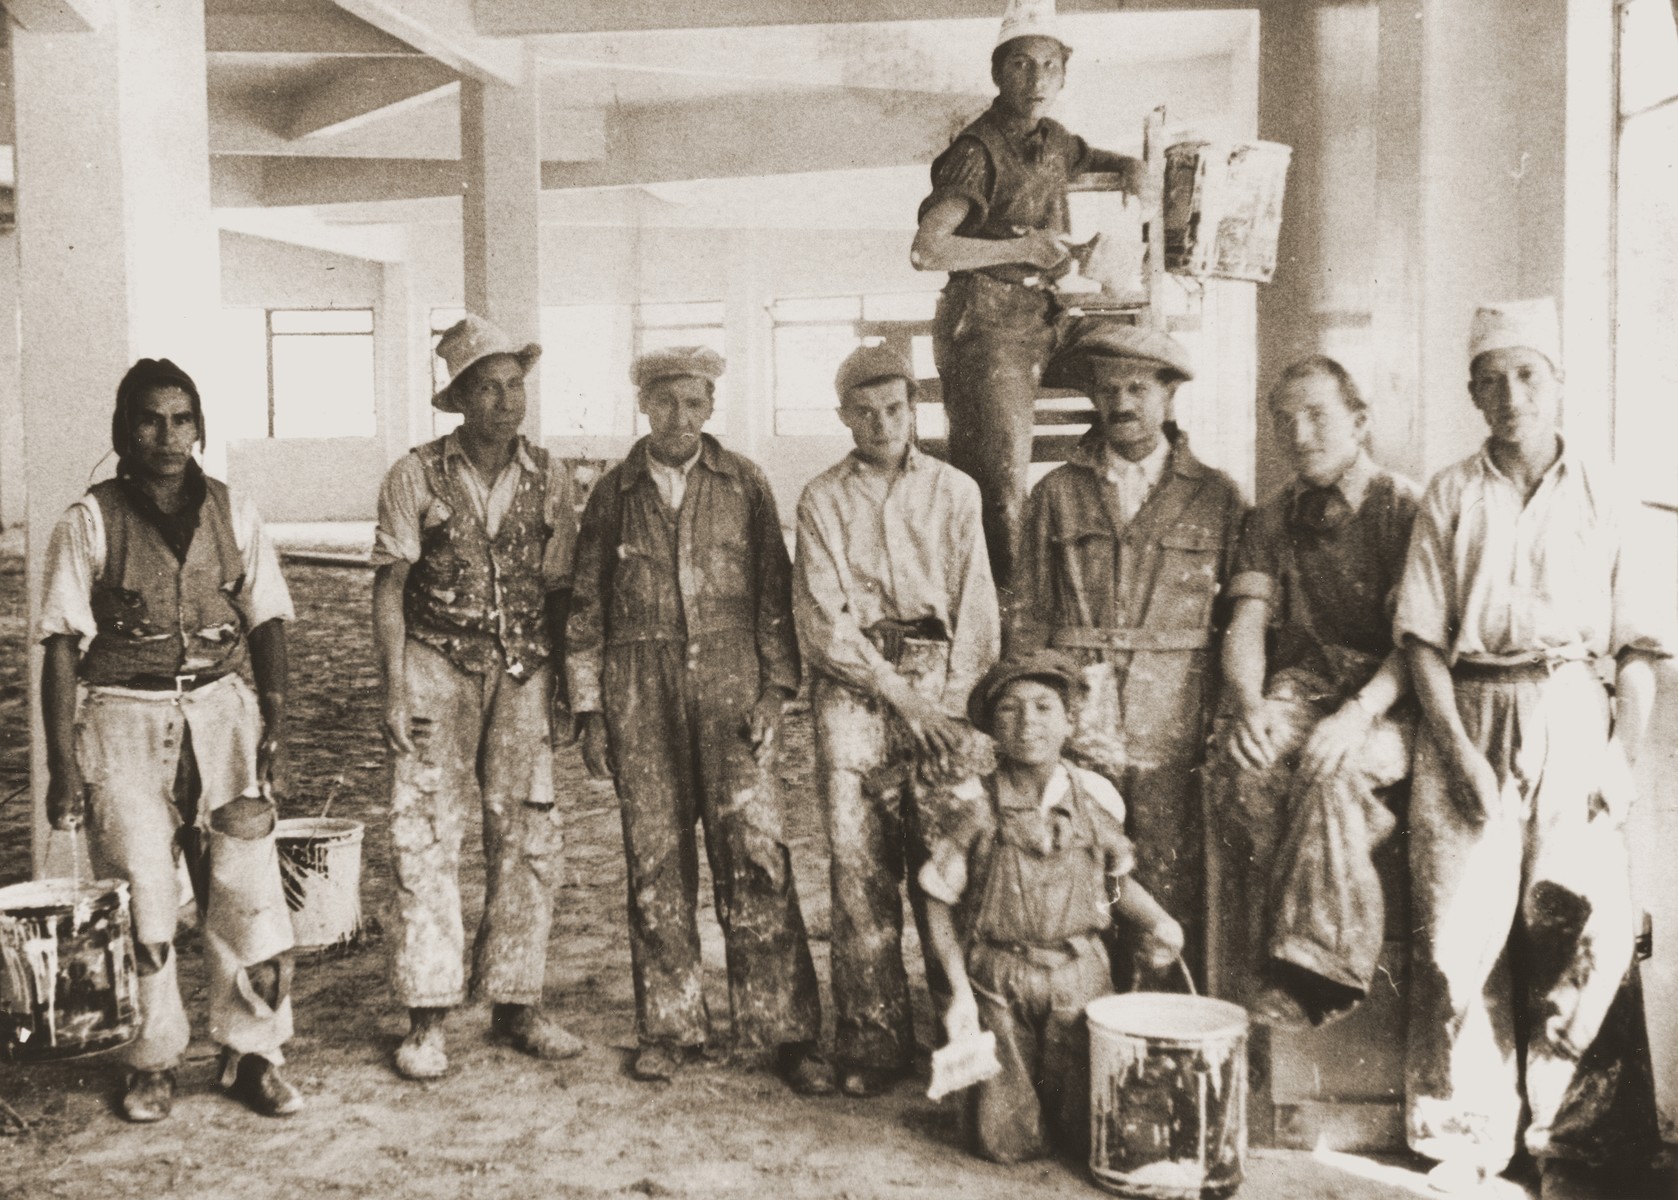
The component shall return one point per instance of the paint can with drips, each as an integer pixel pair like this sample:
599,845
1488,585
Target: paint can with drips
68,981
1168,1095
1223,208
320,870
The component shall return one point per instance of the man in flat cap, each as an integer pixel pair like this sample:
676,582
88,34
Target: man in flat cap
897,617
473,562
1318,724
682,657
997,221
1523,592
1125,552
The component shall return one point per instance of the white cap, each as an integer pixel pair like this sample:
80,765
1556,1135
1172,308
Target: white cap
1029,18
472,338
1517,324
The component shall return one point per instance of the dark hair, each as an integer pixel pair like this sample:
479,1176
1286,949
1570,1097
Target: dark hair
1328,368
145,376
1001,52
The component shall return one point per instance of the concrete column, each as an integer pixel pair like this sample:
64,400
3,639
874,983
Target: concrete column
391,340
1493,187
12,483
116,252
1317,94
500,140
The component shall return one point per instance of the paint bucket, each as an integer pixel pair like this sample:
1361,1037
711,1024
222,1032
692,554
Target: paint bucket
320,870
1223,208
1168,1095
68,982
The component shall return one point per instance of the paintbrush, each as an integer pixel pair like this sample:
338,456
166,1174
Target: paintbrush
963,1063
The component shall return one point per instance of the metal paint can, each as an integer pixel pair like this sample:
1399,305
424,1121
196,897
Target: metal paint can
1168,1095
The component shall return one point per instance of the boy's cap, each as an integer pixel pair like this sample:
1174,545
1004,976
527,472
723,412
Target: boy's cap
1050,667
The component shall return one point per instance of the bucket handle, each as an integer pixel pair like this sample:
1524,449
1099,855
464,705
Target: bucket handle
1182,966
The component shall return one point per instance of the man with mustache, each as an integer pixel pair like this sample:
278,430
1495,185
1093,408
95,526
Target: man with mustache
1126,550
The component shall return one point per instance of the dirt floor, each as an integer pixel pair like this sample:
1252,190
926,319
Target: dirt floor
500,1124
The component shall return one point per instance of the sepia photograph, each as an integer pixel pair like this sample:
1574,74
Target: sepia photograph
845,600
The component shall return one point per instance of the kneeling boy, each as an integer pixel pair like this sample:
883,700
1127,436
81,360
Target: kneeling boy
1029,868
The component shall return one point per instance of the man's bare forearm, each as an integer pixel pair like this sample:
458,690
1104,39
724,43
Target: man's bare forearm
61,656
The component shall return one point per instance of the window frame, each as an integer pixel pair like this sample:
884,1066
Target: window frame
269,334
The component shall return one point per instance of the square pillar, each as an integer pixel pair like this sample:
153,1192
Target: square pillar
500,143
117,256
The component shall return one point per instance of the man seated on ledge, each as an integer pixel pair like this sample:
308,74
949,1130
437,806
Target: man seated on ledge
1317,688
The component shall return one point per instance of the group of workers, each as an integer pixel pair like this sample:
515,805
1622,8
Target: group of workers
1026,708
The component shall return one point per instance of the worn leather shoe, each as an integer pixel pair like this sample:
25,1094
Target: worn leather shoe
657,1062
529,1030
805,1070
259,1085
1279,1008
149,1095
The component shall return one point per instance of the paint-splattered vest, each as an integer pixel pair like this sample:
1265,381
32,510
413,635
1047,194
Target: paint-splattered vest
479,600
157,615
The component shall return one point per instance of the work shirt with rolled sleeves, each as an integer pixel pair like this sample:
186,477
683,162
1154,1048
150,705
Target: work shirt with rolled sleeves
75,561
1327,562
1493,575
408,507
905,545
715,569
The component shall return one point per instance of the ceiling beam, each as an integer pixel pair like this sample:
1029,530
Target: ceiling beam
428,130
57,16
366,90
247,180
329,32
512,18
446,30
771,134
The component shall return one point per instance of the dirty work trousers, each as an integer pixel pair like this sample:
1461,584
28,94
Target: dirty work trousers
991,343
1032,999
1524,982
677,727
877,848
134,748
478,739
1320,907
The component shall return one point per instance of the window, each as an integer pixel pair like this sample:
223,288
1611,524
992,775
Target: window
1646,250
587,349
320,373
812,336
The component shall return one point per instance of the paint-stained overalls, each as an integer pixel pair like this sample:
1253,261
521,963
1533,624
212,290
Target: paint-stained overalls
1137,604
680,622
1033,885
